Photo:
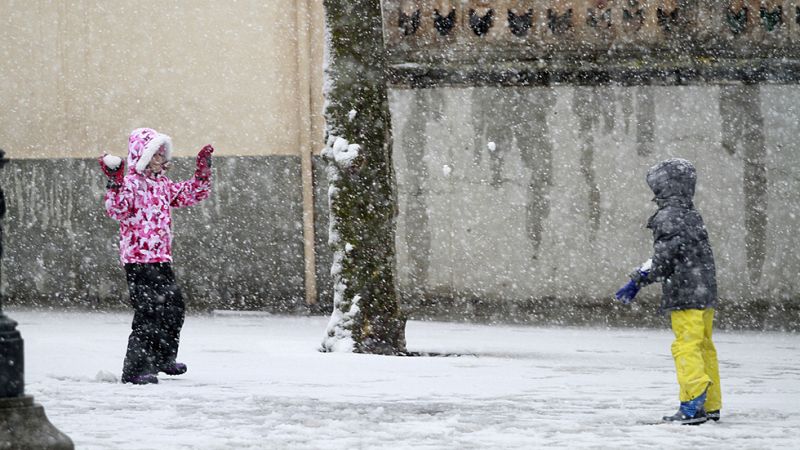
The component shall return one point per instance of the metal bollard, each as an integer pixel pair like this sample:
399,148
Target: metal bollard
23,423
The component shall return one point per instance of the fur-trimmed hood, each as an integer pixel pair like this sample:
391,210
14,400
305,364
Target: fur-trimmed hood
143,143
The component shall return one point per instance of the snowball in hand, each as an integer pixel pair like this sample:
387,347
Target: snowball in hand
112,162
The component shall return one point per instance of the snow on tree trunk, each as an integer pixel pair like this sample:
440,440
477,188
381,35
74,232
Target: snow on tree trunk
366,315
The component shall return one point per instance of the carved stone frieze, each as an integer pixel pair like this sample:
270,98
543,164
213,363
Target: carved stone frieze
709,39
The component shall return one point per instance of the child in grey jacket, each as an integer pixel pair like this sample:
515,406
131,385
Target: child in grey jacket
684,265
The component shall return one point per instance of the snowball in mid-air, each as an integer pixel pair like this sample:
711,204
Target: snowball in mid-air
446,170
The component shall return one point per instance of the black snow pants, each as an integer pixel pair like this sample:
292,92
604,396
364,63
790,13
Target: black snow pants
157,320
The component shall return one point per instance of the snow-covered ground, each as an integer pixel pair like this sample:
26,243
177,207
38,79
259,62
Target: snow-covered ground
258,381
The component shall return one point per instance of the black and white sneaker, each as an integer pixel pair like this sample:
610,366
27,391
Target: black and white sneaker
681,418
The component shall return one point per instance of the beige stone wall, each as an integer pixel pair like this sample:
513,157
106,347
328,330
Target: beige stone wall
77,76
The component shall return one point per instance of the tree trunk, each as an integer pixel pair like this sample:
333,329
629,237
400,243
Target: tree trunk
366,315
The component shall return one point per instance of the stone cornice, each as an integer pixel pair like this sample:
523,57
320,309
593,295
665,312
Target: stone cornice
511,42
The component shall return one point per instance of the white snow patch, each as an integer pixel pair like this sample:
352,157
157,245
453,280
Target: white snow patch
333,191
341,151
491,146
336,266
338,337
259,382
333,176
105,376
351,115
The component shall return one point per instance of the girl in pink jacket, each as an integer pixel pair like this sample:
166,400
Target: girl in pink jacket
142,201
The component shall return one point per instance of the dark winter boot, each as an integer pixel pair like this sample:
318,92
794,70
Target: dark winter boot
690,413
147,378
175,368
683,419
713,415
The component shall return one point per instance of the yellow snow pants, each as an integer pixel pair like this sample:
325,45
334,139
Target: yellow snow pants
695,356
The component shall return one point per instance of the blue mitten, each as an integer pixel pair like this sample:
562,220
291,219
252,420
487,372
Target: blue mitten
627,293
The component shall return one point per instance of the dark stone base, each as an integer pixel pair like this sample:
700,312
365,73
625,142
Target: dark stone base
758,314
658,70
24,425
240,249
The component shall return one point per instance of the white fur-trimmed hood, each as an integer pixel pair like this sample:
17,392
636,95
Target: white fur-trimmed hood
143,143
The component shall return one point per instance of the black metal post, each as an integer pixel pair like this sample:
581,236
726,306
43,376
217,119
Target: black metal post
23,423
11,355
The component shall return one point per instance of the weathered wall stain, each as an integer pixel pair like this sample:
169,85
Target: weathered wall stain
743,135
493,133
536,150
240,248
515,119
424,111
645,120
638,108
594,108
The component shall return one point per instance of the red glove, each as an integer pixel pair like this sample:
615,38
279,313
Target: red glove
113,167
203,171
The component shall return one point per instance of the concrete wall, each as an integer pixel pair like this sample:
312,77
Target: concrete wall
544,227
517,201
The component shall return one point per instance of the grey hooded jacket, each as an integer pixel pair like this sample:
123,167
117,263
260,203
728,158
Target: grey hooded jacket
682,257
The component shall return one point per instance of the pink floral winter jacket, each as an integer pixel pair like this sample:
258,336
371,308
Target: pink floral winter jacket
142,204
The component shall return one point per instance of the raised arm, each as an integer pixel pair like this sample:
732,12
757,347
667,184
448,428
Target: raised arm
197,188
119,195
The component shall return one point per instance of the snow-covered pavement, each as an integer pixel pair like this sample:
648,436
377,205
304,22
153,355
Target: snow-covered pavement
258,381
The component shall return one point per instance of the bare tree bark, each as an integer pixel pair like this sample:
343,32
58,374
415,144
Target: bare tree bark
366,316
